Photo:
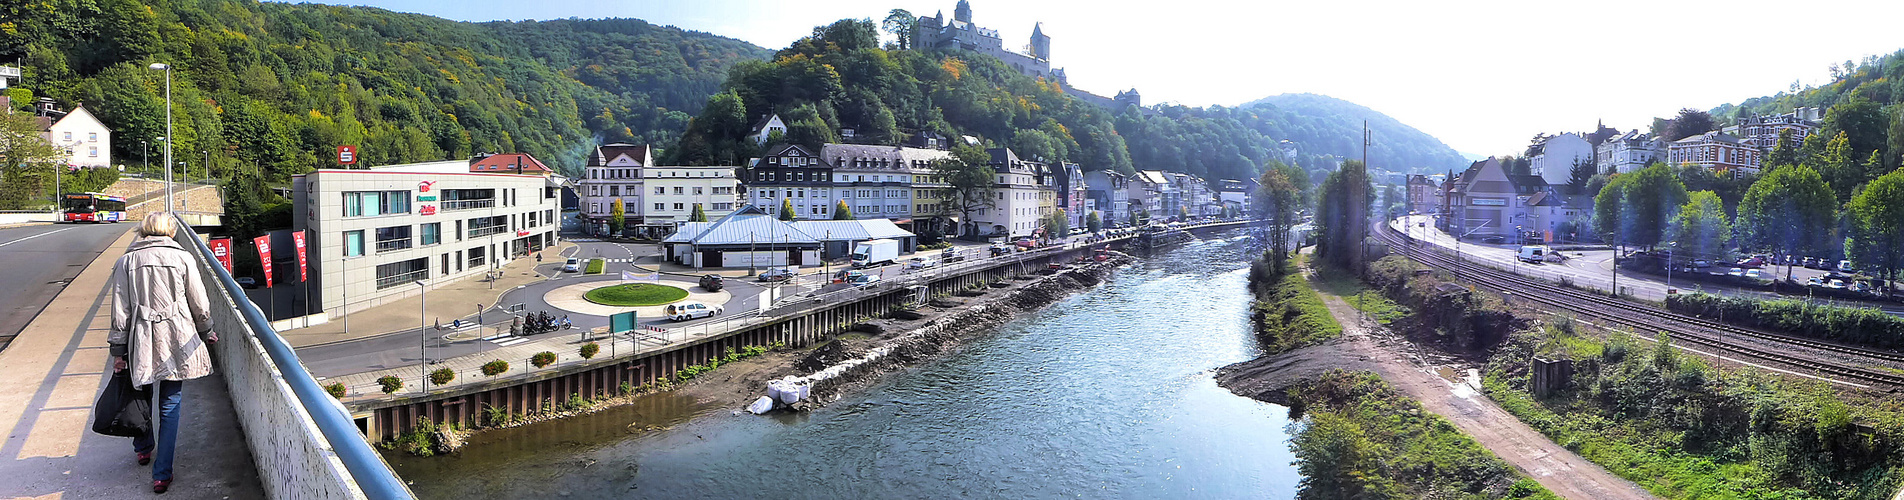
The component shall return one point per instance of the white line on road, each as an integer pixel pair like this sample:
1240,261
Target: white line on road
36,236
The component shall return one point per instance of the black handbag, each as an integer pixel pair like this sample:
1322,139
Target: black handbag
123,410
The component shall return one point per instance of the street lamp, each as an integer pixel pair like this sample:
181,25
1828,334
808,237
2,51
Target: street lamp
167,68
146,155
423,335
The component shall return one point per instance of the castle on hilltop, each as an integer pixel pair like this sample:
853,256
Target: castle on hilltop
938,33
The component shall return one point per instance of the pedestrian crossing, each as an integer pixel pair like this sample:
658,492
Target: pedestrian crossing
507,341
618,260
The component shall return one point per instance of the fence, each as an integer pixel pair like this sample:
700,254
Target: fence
304,444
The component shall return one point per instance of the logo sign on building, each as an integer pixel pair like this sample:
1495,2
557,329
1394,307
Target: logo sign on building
426,210
1487,202
221,248
524,232
297,240
424,186
426,197
264,256
347,155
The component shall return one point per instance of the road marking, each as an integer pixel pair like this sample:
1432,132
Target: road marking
510,342
36,236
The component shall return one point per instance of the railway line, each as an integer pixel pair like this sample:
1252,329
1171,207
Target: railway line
1861,366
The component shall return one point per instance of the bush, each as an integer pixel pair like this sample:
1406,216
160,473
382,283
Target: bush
589,350
1290,315
627,388
540,359
390,383
336,390
576,401
1868,327
495,367
495,415
442,376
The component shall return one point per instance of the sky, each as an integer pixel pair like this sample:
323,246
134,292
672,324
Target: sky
1482,76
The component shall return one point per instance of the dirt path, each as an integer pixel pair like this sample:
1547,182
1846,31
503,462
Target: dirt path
1560,470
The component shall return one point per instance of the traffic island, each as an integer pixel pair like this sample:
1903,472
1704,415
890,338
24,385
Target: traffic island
635,295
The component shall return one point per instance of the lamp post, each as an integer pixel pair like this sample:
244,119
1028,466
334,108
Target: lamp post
423,335
208,164
145,153
167,68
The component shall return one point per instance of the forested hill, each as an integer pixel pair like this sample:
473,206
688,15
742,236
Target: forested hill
1323,125
278,86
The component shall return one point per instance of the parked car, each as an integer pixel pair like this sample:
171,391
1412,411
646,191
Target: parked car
1702,263
777,274
689,310
1025,243
1844,266
951,255
1739,272
1494,239
247,282
1815,281
573,265
863,280
917,263
1839,284
1000,249
1754,274
1818,263
1751,262
711,282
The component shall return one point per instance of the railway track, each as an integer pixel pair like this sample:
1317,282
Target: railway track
1681,327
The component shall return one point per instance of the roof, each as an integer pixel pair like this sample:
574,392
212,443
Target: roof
861,229
764,119
1152,176
746,225
1709,136
507,162
429,167
606,153
841,155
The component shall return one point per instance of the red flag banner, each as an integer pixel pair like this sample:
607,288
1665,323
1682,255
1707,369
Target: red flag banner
221,248
264,256
297,240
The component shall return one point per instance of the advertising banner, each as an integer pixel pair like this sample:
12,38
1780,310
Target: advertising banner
221,248
264,256
297,240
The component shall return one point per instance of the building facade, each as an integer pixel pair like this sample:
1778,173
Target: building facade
1715,151
86,141
1629,152
671,194
790,173
1761,131
374,233
878,182
1014,211
612,172
1484,201
1558,155
1111,192
1424,197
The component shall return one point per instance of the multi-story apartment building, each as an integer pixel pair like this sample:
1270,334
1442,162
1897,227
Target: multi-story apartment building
1628,152
374,233
878,181
1234,194
1485,201
1558,154
790,173
1761,131
1069,183
612,172
1018,199
1424,196
1715,151
672,193
1153,194
1111,192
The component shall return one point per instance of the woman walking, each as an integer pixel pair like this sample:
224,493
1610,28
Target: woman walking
161,325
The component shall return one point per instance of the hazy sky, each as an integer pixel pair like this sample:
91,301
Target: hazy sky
1481,76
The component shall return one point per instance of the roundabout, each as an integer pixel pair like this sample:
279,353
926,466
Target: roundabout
636,295
575,298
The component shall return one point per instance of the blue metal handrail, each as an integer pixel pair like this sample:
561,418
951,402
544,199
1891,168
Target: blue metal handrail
372,474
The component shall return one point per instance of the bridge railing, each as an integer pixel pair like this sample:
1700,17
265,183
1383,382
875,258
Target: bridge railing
304,444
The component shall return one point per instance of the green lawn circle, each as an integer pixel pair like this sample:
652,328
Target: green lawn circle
635,294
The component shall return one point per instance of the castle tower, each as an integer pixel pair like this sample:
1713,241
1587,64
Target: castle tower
963,12
1040,44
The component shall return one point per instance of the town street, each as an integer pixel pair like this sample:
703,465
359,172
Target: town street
40,261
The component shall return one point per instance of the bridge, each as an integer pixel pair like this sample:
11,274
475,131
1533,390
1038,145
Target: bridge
295,439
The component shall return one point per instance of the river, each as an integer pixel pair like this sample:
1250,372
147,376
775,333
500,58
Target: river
1107,393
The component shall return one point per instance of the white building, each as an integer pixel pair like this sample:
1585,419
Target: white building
1017,196
768,126
1110,192
672,193
87,142
790,173
1557,156
1629,152
877,181
612,173
374,233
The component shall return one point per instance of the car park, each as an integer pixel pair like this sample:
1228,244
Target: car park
689,310
573,265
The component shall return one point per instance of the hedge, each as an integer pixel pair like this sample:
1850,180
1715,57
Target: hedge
1868,327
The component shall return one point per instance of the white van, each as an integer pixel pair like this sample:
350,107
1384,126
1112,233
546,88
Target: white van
690,310
1534,253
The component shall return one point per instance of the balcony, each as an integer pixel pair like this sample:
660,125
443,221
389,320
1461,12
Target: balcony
477,232
468,204
394,244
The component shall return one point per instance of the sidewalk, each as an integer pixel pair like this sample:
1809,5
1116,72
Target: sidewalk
54,371
449,301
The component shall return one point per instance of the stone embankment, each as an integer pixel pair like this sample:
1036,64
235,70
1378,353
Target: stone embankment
849,362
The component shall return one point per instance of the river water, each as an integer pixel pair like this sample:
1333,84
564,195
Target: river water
1105,394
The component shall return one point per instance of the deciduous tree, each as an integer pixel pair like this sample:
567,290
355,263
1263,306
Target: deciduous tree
1791,211
1635,208
842,212
616,212
1701,229
1877,217
786,210
1277,202
970,176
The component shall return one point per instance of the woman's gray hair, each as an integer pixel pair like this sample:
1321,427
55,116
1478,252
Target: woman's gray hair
159,224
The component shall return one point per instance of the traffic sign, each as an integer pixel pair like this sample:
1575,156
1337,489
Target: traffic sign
621,323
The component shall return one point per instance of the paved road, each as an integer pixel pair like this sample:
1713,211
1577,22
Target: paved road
36,262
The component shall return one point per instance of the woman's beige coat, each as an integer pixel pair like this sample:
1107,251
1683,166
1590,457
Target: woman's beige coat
158,304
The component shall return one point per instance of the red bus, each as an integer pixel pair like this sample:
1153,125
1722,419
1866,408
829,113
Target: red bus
92,207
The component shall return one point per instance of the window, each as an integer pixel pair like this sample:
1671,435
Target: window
93,151
373,203
660,206
393,238
614,190
92,137
660,190
476,257
446,265
679,206
697,190
462,199
402,273
724,190
433,234
354,243
678,190
485,226
723,206
68,137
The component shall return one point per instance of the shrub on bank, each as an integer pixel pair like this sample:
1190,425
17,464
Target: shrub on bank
1869,327
495,367
1447,311
589,350
442,376
390,383
336,390
1359,438
541,359
1290,315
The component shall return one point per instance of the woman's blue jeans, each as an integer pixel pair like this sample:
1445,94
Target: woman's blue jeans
166,428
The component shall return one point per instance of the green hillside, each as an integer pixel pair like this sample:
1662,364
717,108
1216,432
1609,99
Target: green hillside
1323,125
275,87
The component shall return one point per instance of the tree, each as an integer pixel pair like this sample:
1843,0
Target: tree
842,212
699,215
1790,211
1058,224
1635,208
27,163
1690,122
970,176
1839,166
1093,222
1581,174
1277,202
1342,215
1784,152
1701,229
786,210
899,23
1861,121
616,212
1877,217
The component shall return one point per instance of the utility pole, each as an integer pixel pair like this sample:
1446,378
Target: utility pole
167,68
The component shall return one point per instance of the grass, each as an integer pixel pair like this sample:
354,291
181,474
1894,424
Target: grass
635,294
595,266
1291,315
1368,300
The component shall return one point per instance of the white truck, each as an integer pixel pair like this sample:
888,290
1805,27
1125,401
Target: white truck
1534,253
875,252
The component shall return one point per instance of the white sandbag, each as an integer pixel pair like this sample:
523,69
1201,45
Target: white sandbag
762,405
806,390
790,396
773,390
